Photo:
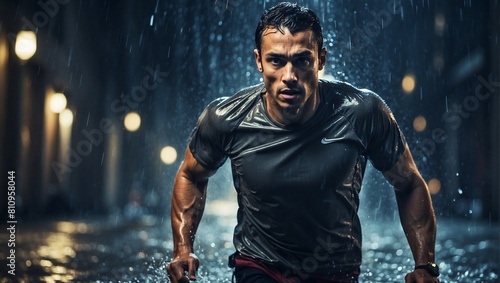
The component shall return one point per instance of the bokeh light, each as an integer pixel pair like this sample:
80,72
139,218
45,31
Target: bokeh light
132,121
58,102
408,83
419,123
25,44
434,186
66,118
439,24
168,155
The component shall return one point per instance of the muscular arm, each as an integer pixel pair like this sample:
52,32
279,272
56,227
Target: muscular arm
415,208
188,203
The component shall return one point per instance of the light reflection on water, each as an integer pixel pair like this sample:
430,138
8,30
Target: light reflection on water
98,251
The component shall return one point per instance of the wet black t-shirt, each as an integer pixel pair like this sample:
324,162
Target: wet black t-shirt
298,187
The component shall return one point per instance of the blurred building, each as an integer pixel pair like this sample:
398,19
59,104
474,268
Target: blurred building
58,154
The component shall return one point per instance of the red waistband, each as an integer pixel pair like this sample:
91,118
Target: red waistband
288,276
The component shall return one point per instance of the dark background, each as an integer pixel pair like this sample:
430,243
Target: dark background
103,54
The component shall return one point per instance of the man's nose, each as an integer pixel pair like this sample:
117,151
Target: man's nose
289,75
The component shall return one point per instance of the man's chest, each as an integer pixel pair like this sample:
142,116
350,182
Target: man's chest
270,161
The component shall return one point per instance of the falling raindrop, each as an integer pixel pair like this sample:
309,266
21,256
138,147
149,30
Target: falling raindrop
88,118
70,56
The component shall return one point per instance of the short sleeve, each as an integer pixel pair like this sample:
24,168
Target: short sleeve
386,142
209,139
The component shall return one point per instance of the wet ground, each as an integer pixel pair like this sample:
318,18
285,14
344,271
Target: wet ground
115,250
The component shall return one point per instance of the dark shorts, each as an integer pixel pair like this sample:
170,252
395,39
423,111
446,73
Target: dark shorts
252,275
248,270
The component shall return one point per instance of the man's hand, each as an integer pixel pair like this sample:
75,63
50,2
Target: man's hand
178,267
420,276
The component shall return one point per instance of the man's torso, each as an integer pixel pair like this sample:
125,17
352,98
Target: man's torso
297,187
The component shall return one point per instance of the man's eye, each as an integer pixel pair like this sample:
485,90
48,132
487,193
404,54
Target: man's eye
275,61
302,62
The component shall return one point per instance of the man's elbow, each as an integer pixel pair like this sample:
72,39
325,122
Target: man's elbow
412,183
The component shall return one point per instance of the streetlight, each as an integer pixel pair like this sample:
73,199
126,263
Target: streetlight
25,44
168,155
66,118
132,121
58,102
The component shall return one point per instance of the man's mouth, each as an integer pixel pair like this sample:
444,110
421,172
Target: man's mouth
289,93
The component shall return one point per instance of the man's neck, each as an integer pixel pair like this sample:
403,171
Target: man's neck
293,117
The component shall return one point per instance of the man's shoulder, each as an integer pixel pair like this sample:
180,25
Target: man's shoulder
242,96
346,95
231,109
341,87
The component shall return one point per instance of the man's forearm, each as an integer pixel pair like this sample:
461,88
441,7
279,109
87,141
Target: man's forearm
188,203
419,223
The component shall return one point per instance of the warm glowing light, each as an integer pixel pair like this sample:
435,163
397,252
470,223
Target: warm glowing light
132,122
439,24
419,123
66,118
66,227
434,186
25,45
408,83
56,253
45,263
168,155
25,136
58,102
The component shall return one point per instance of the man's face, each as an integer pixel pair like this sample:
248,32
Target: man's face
289,64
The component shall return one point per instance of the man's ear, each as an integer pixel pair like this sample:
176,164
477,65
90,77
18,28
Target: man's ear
258,60
322,58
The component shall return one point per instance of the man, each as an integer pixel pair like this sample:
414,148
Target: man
298,148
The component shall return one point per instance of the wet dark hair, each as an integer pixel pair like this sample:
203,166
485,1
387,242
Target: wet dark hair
291,16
